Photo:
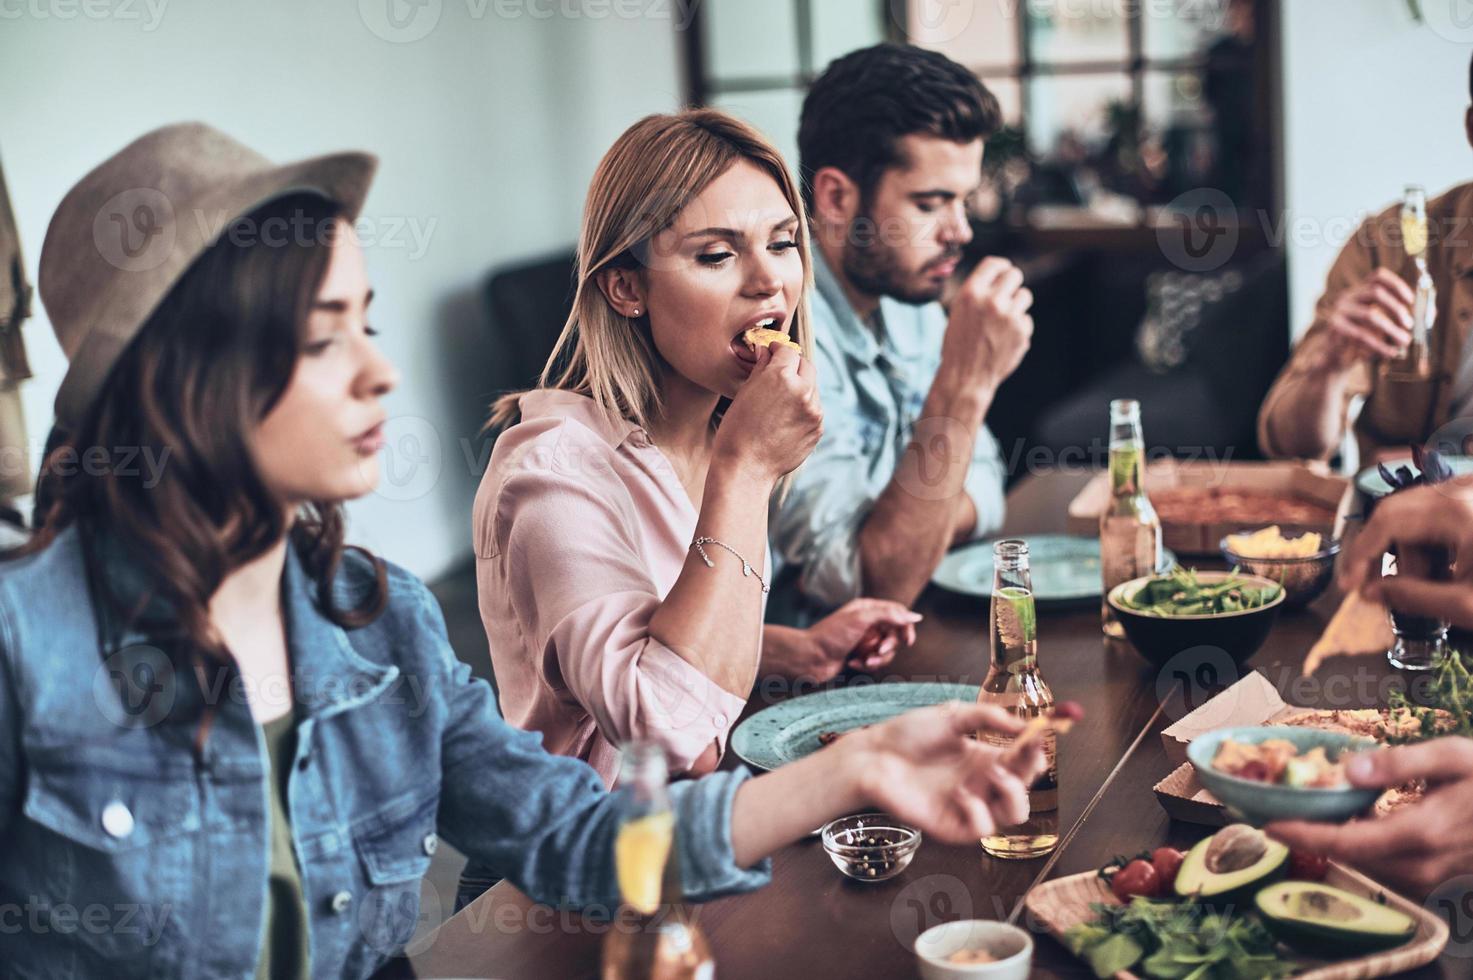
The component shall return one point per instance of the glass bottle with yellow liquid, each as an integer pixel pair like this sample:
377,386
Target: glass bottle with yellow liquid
1130,531
1415,363
653,936
1014,684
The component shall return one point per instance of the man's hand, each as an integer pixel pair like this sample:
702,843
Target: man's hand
1418,847
989,328
1412,520
1371,319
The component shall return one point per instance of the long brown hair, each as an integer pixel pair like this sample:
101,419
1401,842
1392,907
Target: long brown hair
210,363
643,182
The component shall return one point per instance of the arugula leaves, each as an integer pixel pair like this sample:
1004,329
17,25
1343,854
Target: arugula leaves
1181,594
1176,941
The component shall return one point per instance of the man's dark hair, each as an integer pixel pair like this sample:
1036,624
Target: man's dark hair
863,103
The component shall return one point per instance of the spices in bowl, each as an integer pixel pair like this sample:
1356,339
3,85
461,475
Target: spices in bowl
870,846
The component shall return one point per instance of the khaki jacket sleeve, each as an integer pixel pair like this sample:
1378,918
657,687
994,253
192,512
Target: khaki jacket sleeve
1278,415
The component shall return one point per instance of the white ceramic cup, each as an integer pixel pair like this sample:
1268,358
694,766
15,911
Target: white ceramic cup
1011,947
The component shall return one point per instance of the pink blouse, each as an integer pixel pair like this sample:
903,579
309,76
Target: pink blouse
581,528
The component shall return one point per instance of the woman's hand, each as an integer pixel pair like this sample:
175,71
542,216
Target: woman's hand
925,769
922,767
775,419
1417,847
864,634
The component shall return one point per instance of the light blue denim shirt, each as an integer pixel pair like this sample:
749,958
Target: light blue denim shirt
873,382
121,856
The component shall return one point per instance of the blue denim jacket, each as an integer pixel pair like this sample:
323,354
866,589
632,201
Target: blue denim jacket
122,856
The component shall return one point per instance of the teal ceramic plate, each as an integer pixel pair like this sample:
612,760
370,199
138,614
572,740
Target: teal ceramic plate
1258,803
789,730
1066,568
1368,481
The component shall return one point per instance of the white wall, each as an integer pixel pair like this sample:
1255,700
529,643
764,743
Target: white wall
488,128
1372,101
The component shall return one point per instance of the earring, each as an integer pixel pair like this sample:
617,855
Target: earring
636,312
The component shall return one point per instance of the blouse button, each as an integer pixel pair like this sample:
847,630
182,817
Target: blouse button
341,902
719,721
117,819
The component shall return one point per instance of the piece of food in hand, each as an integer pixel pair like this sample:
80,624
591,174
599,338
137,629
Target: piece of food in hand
640,852
1359,626
1269,542
1324,921
760,337
1061,718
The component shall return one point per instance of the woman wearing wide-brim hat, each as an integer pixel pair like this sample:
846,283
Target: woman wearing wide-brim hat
229,744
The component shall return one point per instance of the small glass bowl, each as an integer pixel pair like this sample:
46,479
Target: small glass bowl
870,846
1303,579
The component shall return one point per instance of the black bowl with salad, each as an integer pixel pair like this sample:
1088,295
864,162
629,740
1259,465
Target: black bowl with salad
1166,615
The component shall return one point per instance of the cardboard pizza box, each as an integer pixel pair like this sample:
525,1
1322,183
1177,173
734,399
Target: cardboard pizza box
1311,482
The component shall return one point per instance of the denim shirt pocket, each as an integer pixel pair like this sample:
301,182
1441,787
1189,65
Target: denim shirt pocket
122,838
395,846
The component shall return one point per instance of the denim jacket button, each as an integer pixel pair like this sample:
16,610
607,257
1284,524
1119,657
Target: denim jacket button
117,819
432,844
341,902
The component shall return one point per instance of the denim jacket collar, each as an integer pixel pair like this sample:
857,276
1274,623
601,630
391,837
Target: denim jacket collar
328,676
900,337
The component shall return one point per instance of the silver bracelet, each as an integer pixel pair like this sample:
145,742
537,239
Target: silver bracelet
747,568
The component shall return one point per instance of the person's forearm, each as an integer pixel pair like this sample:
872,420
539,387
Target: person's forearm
781,647
709,606
779,807
925,507
1305,416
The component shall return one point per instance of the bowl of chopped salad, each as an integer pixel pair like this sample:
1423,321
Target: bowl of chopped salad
1278,772
1165,616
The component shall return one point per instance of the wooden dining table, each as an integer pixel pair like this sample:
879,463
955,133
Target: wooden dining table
811,922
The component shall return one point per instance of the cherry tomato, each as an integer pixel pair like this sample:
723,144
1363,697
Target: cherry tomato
1167,862
1304,866
1136,878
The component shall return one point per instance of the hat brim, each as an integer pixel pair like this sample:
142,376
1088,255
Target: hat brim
343,178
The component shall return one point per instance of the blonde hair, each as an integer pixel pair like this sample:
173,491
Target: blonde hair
648,176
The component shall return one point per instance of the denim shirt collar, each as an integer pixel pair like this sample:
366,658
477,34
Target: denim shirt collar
328,675
846,330
899,337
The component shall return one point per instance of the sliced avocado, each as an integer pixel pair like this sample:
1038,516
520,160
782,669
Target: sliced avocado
1227,869
1329,922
